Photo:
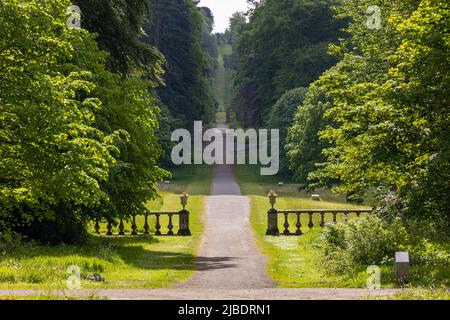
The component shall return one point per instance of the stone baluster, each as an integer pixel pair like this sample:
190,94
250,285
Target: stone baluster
170,226
97,226
158,225
286,224
134,226
322,219
109,228
121,228
146,227
310,224
298,225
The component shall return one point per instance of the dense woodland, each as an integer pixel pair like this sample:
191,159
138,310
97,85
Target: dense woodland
364,110
86,115
84,112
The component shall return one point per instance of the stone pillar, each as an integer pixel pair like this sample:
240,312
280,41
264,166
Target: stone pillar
184,224
272,223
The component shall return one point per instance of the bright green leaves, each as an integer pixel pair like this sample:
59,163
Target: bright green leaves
66,123
388,108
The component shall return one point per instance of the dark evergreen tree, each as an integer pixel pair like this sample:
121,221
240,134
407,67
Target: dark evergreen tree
284,46
174,28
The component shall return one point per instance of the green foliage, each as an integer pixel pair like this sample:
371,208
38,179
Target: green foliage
373,240
50,152
367,241
77,141
284,46
175,28
118,25
208,40
281,117
385,126
303,146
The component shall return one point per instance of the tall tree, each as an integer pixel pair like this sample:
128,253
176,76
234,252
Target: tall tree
284,46
388,106
174,28
118,25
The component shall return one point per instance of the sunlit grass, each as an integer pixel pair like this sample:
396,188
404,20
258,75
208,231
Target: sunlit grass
125,262
416,294
293,260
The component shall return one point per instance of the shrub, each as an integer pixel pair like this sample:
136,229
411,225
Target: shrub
373,240
365,241
67,226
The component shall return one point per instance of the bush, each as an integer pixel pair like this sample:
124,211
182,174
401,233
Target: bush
365,241
373,240
67,226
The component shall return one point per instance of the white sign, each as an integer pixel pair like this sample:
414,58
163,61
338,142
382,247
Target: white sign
402,256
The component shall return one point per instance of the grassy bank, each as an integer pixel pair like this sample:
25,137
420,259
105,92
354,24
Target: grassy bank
125,262
294,261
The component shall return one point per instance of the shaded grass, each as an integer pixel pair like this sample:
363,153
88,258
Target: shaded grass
125,262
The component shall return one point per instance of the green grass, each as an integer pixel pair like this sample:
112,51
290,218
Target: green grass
221,117
416,294
293,261
226,50
125,262
52,296
223,81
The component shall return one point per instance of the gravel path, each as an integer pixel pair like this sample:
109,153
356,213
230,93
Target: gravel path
228,256
201,294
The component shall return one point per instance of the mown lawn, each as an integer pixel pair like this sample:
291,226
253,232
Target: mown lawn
125,262
294,261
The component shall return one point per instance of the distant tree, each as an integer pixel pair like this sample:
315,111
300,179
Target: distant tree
209,41
284,46
118,25
303,146
175,28
281,117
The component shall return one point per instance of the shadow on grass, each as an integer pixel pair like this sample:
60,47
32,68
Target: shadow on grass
132,251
